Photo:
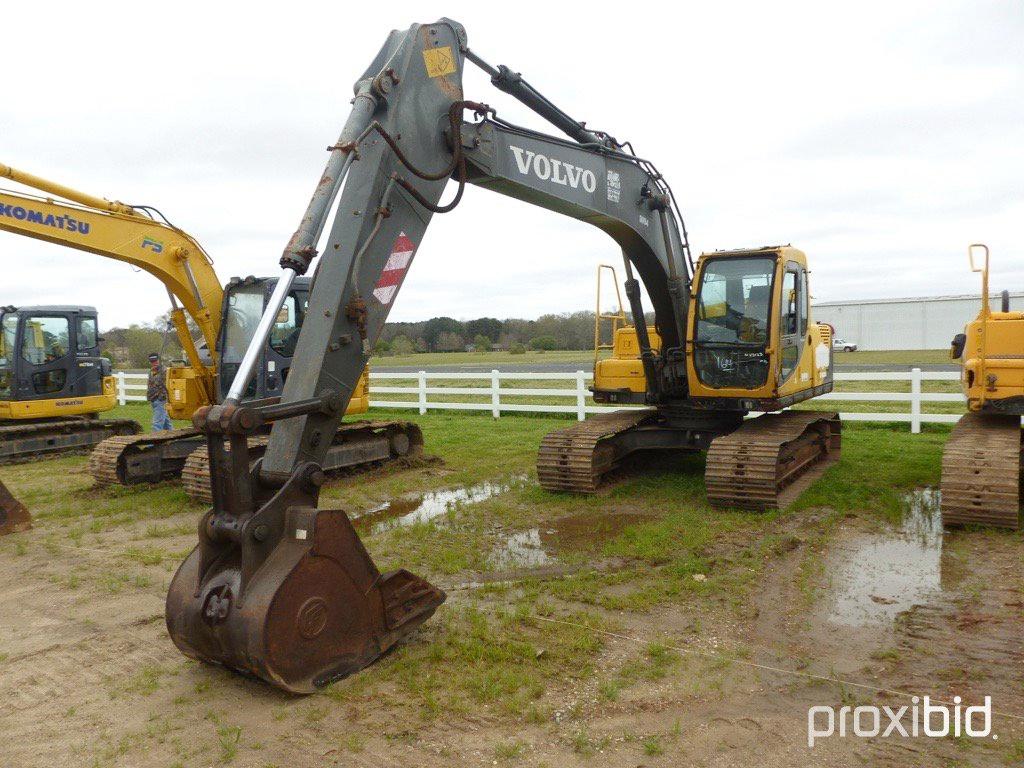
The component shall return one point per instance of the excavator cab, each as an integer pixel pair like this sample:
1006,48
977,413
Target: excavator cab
50,364
245,300
750,331
753,343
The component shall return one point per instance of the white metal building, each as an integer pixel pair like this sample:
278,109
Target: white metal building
918,323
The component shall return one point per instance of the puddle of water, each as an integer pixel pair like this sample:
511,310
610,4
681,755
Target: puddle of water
882,575
521,550
409,510
538,546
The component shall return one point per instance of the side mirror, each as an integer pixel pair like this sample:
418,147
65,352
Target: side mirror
956,348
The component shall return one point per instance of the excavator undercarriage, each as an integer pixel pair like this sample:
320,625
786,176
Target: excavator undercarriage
982,468
361,444
157,456
757,464
29,441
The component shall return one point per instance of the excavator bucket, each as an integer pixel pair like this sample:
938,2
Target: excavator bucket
14,516
316,610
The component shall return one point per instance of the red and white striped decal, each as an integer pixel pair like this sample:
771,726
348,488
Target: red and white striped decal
394,270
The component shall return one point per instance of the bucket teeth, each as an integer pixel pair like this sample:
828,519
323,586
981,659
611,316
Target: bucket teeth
14,516
981,472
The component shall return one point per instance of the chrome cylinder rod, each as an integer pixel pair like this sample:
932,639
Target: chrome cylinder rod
259,339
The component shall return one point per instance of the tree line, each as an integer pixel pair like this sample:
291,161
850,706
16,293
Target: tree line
571,330
129,347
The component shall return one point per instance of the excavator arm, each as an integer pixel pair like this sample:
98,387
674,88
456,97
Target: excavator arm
124,233
390,194
277,587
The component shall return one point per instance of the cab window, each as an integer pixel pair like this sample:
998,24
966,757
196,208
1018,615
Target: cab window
789,319
8,334
285,333
792,318
734,301
805,302
45,339
86,334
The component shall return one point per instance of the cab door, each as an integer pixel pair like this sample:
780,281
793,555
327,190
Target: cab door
284,334
89,367
792,326
46,358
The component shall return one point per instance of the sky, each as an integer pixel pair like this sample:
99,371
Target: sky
879,137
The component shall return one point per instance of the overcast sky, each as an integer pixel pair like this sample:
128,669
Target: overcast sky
880,137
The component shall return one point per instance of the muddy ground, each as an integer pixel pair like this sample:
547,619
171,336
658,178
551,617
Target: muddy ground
553,648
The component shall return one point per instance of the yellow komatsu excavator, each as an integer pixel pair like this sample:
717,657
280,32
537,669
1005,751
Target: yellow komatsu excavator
54,384
983,462
226,318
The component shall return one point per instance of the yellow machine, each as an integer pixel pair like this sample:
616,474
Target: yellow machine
225,316
53,386
129,234
982,462
752,345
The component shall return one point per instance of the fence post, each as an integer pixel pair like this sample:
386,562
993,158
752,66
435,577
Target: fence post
495,393
122,394
423,392
581,395
915,401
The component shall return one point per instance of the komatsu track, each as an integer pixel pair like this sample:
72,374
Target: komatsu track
356,444
149,458
20,441
769,461
981,472
575,459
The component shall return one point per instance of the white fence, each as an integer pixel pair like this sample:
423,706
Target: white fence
132,387
578,394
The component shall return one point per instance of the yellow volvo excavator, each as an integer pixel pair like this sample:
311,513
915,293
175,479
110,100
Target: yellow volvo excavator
281,589
226,318
752,341
983,462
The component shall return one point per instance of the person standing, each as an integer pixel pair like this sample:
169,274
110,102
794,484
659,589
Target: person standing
156,393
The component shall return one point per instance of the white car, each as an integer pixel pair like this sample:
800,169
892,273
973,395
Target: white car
839,345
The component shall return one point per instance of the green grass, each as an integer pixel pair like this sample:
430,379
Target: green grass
894,357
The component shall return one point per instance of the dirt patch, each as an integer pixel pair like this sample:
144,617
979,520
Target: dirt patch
715,677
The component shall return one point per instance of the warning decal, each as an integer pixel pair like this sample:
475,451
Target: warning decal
394,270
439,61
